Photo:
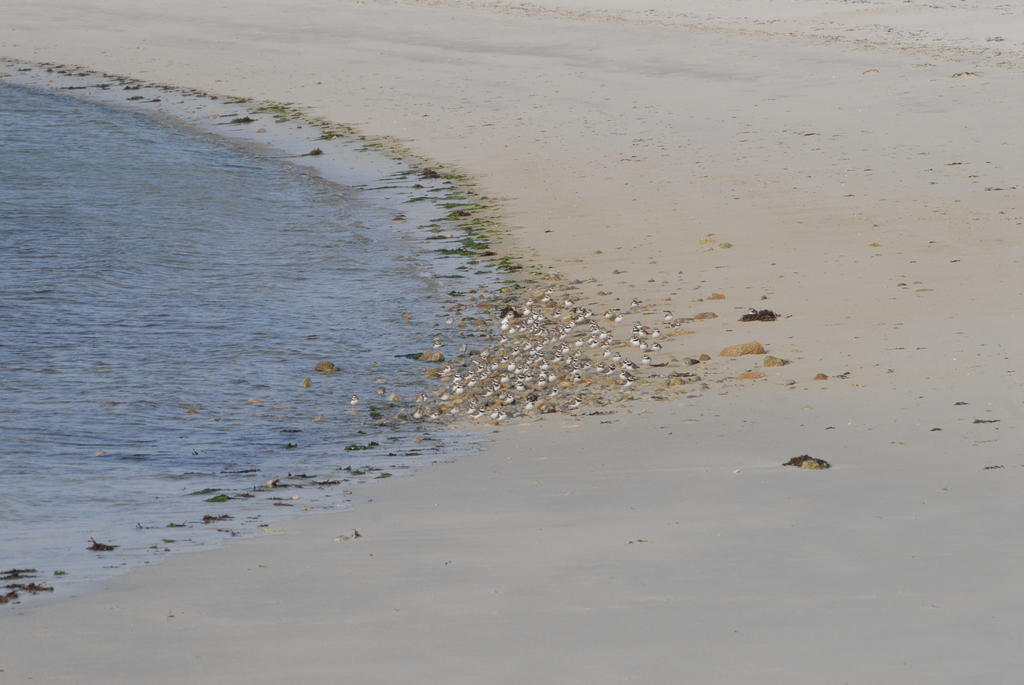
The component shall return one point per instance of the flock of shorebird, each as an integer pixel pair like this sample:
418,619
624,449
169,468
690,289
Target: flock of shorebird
548,353
552,355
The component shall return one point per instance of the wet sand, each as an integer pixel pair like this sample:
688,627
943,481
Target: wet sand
869,191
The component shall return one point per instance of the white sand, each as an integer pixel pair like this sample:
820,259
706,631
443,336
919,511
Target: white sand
636,136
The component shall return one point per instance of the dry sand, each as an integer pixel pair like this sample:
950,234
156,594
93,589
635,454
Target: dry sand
864,161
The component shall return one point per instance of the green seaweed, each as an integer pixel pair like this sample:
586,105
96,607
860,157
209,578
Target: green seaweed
356,447
205,491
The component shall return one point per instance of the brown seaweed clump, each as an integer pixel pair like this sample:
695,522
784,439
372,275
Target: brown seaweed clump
759,315
807,462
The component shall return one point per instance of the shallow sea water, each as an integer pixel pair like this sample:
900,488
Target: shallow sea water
162,296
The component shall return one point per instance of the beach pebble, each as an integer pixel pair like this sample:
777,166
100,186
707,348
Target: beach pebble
820,377
753,347
431,356
325,367
750,375
705,315
774,361
306,382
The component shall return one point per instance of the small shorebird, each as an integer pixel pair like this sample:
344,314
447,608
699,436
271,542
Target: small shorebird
668,317
354,400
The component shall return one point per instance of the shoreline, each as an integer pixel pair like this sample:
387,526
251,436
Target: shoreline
279,131
868,199
354,164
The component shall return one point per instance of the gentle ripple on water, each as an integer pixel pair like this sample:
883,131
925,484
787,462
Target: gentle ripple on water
147,271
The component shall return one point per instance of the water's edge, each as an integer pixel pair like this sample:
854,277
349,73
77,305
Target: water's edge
380,174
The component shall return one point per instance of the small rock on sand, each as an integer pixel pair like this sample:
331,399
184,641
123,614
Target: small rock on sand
717,296
820,377
750,375
807,462
774,361
705,315
753,347
325,367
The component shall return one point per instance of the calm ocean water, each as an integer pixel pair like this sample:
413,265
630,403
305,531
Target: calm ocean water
162,296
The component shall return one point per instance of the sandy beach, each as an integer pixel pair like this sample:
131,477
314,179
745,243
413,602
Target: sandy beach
854,167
